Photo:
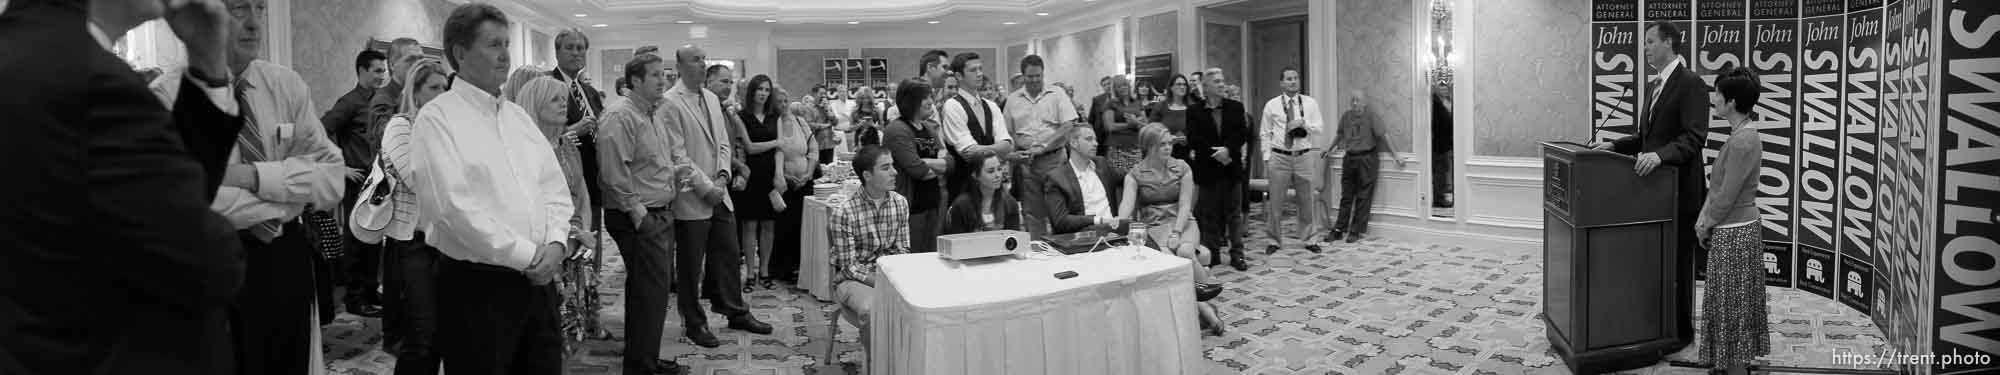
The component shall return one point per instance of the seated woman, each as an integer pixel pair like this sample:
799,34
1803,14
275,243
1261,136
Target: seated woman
988,206
1154,192
875,222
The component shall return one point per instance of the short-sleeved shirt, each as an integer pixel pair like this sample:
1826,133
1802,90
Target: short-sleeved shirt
1030,115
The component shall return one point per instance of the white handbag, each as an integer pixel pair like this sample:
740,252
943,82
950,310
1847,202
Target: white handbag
375,208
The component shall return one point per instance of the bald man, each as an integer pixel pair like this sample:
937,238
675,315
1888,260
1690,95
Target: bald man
1359,141
704,218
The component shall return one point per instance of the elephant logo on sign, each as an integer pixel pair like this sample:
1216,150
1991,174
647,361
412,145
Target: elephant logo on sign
1771,264
1813,271
1854,283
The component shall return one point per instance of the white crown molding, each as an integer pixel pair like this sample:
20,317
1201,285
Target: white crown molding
794,11
526,10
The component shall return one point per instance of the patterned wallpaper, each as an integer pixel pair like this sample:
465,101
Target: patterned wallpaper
1224,49
323,52
1156,34
613,62
799,69
1080,59
542,51
1013,64
1377,38
1521,95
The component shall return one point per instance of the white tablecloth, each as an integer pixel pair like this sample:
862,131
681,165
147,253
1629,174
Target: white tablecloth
814,267
1118,316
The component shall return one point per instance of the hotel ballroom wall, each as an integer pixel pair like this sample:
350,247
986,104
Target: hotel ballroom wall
323,52
1536,60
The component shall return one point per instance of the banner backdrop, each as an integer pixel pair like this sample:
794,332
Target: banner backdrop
1892,312
1614,66
1908,220
1774,47
1967,319
1719,45
1845,187
1819,141
1720,26
1857,163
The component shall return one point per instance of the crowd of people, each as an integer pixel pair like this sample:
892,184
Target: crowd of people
475,197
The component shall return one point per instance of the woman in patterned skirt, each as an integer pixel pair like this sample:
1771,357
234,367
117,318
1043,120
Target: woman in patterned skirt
1733,330
546,99
1154,191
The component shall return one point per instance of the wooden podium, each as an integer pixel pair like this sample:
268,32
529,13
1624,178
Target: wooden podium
1608,256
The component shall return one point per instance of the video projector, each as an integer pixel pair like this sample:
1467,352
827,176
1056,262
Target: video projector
986,244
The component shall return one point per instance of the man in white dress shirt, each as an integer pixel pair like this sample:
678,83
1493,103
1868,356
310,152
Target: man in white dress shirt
496,204
1291,134
973,126
283,162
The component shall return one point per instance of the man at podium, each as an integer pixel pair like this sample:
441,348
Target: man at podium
1673,125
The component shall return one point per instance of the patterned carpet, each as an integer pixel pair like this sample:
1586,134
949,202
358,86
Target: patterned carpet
1372,307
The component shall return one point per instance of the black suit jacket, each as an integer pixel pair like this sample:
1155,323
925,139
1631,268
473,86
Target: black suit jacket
1675,127
589,146
110,260
1063,197
1203,133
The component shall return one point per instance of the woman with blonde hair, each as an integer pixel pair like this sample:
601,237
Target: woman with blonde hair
546,100
1159,192
410,318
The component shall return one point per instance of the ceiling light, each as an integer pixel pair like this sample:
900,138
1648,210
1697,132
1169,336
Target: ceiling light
770,21
599,25
581,15
854,22
684,22
932,22
1041,13
1009,23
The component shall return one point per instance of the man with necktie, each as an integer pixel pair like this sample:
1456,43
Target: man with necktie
1292,135
1673,127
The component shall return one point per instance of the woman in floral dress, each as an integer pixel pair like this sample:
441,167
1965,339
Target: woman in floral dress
1155,189
546,99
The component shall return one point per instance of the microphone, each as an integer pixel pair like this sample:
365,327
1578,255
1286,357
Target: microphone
1600,122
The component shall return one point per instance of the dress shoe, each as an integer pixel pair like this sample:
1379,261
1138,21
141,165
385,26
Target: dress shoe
749,324
1314,248
364,310
658,367
668,367
1270,249
1352,237
1205,292
701,337
1240,264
